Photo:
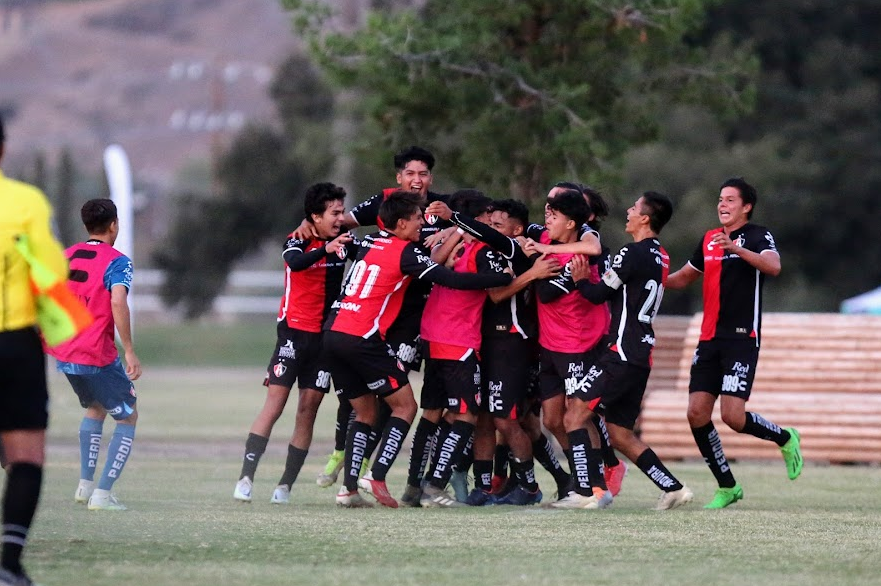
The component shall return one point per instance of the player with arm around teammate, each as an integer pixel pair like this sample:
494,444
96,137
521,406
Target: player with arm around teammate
733,261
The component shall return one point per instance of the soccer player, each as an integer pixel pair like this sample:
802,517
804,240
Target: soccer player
734,260
364,365
413,172
313,275
23,394
634,285
101,276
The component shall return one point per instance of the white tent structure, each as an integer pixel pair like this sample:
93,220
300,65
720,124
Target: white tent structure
868,302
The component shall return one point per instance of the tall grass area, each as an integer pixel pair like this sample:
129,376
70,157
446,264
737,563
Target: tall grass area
184,528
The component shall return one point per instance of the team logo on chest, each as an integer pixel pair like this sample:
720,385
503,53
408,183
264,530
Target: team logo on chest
341,252
430,219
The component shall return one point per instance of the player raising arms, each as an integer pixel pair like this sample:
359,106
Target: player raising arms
313,275
635,285
364,365
733,260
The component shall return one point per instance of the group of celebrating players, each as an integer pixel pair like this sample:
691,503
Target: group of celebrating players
523,328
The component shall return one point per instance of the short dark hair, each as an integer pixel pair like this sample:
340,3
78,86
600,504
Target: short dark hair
399,205
470,202
748,193
516,210
571,204
658,208
98,214
598,206
319,195
413,153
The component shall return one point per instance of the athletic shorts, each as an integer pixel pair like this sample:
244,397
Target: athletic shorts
109,386
24,397
403,337
508,363
298,357
361,366
563,372
725,367
451,384
615,389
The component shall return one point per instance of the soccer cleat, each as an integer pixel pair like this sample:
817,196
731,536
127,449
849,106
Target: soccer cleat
281,495
84,491
725,497
102,500
614,476
604,498
479,498
791,451
520,497
459,482
332,469
576,501
379,490
433,496
411,496
676,498
7,578
242,491
351,500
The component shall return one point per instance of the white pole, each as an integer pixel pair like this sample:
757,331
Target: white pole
119,177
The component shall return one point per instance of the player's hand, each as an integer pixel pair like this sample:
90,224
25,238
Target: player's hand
546,268
723,241
532,247
338,243
305,231
132,365
454,255
580,267
439,209
439,237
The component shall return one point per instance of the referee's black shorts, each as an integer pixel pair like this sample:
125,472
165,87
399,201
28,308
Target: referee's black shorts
24,398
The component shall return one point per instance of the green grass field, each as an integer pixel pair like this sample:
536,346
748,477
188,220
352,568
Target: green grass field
183,526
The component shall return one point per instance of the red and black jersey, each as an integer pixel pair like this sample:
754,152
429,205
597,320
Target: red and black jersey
634,287
312,282
732,287
374,290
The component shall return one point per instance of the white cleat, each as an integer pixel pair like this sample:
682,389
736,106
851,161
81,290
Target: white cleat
84,491
351,500
577,501
243,490
102,500
281,495
433,496
677,498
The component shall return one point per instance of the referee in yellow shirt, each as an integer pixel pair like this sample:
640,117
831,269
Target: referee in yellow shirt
23,394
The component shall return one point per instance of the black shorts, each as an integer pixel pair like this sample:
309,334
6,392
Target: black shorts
451,384
361,366
509,365
563,372
298,357
616,390
24,397
403,337
726,367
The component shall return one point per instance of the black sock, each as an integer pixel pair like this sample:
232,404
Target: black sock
467,457
579,446
420,451
356,451
23,483
524,470
382,419
483,474
345,415
710,446
443,430
610,458
758,426
500,460
595,468
292,465
448,453
392,440
652,467
255,445
543,451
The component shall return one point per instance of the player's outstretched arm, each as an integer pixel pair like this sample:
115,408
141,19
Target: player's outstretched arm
683,277
596,293
589,245
542,268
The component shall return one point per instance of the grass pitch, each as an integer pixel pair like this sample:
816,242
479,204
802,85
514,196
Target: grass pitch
183,526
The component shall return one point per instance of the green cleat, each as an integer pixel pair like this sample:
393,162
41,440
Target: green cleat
725,497
791,451
332,469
